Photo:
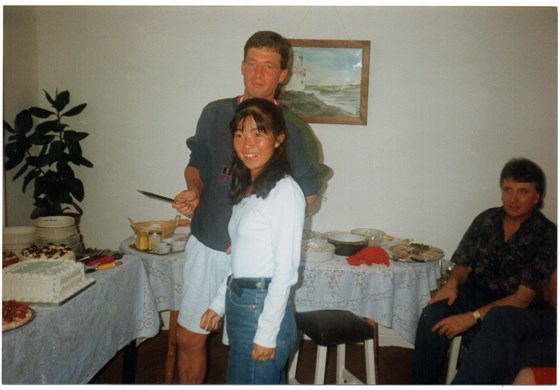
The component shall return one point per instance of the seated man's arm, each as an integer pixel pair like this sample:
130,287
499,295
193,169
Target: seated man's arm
455,325
521,298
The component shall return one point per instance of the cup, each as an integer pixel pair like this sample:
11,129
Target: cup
445,268
179,245
162,248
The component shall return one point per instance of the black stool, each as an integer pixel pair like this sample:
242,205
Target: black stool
335,328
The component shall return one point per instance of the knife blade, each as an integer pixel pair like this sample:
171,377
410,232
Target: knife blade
156,196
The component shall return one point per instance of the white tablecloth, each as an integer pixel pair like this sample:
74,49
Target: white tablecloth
391,296
165,273
71,343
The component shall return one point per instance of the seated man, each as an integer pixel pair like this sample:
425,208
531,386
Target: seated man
504,259
510,339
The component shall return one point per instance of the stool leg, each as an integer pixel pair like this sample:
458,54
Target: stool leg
320,365
340,363
293,366
371,367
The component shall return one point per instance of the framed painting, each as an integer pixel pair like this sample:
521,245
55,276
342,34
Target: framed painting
329,81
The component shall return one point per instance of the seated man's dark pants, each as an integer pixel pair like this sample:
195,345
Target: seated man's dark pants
509,340
430,349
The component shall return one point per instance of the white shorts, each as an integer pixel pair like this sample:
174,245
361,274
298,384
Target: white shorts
205,270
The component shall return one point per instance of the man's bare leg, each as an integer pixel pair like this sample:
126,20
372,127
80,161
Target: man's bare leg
191,356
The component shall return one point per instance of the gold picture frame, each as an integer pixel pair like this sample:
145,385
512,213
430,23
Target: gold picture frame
329,81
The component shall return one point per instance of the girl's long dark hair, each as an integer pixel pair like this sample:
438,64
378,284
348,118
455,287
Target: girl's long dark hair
268,118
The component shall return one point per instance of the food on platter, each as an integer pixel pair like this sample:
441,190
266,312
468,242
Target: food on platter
15,314
43,281
317,250
49,251
415,252
8,258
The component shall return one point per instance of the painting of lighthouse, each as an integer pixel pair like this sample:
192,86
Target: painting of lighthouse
328,81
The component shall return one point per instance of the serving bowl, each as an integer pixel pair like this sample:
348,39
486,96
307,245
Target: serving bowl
316,250
346,243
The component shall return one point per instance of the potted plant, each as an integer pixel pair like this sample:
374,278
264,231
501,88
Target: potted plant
47,152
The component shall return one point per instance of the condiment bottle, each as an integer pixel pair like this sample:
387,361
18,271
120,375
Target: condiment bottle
142,241
154,239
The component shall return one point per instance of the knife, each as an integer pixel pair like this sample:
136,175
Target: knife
156,196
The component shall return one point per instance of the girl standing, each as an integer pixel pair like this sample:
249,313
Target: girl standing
266,228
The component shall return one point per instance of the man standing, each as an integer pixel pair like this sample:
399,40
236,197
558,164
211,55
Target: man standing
208,175
505,258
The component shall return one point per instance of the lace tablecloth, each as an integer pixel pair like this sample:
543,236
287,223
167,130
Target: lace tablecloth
165,273
392,296
71,343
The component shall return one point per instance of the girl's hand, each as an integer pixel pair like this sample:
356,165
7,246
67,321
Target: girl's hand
210,320
262,354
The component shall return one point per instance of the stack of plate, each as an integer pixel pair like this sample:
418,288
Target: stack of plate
57,230
16,238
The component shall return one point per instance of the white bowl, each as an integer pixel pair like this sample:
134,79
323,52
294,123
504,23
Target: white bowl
317,250
345,237
18,230
18,234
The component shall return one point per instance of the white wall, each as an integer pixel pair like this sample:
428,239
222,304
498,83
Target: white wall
454,93
20,91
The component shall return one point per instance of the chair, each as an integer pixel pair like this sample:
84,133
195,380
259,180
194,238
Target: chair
454,351
328,328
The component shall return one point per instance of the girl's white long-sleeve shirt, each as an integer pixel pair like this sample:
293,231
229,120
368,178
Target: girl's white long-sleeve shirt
266,242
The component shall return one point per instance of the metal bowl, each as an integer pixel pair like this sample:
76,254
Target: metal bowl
346,243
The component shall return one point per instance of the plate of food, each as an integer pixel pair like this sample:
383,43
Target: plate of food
15,314
415,252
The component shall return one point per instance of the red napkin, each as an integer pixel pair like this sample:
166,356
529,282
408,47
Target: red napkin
370,255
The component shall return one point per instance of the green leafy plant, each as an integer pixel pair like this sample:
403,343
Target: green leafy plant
47,153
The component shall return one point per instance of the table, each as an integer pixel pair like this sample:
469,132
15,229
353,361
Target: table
391,296
165,273
69,344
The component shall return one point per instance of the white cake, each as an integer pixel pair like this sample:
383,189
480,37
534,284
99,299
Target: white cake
43,281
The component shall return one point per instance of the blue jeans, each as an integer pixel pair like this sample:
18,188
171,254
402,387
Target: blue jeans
242,315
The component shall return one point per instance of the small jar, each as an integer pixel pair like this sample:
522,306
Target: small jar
142,241
154,240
